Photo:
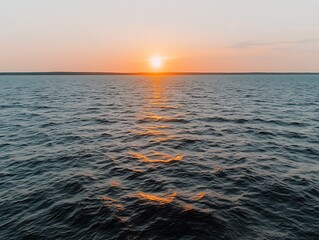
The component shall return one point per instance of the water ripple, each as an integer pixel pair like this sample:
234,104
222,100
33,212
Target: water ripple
159,157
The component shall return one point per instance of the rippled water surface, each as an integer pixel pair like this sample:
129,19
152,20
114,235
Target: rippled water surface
159,157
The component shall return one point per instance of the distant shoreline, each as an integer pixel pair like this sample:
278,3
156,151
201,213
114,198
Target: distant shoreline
158,73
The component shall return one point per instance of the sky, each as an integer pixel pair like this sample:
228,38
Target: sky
189,35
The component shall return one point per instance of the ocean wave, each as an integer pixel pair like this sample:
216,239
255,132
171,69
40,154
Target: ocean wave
196,157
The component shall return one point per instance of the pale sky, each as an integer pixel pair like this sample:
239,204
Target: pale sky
191,35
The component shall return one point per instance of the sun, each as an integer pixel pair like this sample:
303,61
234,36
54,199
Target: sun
156,62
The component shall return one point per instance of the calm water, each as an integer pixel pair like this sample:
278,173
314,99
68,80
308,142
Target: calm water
180,157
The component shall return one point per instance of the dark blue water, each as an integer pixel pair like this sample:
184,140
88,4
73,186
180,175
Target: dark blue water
171,157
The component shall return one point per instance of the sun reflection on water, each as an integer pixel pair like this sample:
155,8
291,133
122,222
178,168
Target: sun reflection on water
156,122
112,203
154,198
115,184
150,124
199,196
150,132
157,157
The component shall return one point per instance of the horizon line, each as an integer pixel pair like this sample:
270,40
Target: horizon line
156,73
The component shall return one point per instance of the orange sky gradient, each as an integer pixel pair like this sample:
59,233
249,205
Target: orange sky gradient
121,36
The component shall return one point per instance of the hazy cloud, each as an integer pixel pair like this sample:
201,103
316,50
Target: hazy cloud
251,44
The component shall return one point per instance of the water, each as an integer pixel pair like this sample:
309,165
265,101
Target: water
170,157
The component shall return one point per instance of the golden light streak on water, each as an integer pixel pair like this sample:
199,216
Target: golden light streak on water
156,157
154,198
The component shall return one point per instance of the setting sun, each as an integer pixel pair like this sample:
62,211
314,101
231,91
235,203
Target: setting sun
156,62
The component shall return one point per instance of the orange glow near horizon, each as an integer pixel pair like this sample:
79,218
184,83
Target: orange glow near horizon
205,37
